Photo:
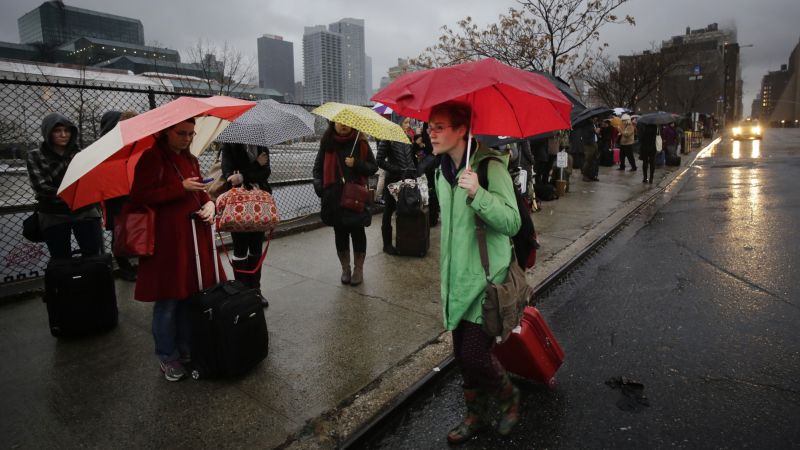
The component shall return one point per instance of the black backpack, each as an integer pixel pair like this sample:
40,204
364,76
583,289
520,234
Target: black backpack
525,242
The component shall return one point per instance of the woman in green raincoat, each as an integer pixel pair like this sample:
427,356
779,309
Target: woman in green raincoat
463,280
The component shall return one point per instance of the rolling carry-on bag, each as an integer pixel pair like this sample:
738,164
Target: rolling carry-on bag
413,234
80,295
229,330
532,353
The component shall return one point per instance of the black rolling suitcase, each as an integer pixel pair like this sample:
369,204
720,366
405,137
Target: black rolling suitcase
229,330
80,295
413,234
673,160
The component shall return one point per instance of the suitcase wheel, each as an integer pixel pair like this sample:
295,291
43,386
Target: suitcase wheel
552,384
195,374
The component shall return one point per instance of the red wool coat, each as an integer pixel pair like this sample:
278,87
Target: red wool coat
171,272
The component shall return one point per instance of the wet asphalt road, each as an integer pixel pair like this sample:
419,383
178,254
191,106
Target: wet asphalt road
697,299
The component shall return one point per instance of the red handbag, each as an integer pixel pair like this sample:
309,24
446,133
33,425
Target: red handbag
135,231
355,194
245,210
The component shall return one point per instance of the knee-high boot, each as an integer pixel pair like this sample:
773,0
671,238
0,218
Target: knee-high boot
477,417
344,260
240,264
255,277
358,269
386,234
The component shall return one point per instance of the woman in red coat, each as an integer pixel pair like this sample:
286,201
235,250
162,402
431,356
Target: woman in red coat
168,179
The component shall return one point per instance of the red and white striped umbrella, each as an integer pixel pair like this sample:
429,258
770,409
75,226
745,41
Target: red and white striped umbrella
105,169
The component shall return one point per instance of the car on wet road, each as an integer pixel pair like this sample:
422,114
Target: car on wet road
746,129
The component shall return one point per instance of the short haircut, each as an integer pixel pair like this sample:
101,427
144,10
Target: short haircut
459,113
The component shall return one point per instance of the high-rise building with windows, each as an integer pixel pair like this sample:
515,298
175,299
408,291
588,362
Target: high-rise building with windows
322,65
353,59
367,77
53,23
276,64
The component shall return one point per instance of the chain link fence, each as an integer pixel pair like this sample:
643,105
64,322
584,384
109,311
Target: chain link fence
26,102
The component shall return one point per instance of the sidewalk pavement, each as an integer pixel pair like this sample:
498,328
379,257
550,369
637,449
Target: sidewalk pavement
338,354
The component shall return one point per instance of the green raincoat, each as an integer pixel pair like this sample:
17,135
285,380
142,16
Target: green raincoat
463,279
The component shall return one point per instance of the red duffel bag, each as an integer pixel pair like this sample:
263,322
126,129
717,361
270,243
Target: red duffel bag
244,210
532,353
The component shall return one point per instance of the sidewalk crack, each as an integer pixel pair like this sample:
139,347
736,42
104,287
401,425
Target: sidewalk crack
774,387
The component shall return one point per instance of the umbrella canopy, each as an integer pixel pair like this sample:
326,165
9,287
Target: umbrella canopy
105,169
269,123
364,120
382,109
589,113
495,141
658,118
505,101
563,87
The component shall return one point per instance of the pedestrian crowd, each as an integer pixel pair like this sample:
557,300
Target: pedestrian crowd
169,181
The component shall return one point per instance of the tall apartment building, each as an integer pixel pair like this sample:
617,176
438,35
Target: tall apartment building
783,106
353,59
322,65
367,77
276,64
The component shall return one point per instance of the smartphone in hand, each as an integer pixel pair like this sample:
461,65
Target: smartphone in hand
207,180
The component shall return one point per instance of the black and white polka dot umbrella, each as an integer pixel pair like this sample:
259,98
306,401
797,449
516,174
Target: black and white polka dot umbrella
269,123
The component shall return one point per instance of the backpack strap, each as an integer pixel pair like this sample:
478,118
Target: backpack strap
480,225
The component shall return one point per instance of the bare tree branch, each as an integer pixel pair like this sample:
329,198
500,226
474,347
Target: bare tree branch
554,36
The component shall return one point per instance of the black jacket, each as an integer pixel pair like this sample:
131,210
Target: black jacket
235,157
330,212
397,159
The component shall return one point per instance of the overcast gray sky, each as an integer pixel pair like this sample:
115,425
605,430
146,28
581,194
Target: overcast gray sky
404,28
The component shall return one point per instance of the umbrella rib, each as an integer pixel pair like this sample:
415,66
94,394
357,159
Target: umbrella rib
516,119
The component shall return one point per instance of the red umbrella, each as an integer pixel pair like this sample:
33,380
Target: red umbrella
505,101
105,169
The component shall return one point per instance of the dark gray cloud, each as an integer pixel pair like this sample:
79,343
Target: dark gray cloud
403,28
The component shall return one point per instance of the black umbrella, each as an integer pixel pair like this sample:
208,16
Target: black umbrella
589,113
563,86
658,118
496,141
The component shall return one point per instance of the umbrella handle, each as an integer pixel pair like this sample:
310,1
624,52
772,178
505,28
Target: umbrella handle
354,143
469,147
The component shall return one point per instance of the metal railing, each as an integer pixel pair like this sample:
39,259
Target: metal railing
26,102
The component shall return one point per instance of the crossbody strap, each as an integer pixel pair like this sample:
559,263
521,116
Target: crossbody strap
180,175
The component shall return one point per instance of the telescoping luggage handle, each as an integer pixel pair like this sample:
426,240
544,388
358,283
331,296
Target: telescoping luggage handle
193,219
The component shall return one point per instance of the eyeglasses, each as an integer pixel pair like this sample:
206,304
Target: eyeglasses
438,128
186,133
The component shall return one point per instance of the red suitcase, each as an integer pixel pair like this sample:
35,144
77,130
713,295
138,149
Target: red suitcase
532,353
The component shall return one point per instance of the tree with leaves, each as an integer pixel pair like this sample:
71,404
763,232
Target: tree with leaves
553,36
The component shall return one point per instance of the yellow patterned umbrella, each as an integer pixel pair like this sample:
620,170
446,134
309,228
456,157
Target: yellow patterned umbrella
364,120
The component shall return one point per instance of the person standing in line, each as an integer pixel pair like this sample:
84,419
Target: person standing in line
463,281
47,166
428,162
627,135
344,155
670,137
648,151
168,180
247,166
113,206
397,160
588,132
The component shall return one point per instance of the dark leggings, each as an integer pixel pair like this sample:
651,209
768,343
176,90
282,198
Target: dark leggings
244,243
389,207
472,349
88,233
626,152
343,234
648,160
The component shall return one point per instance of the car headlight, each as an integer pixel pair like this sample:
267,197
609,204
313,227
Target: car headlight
737,130
756,130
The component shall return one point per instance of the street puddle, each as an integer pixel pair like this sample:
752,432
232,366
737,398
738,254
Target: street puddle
632,398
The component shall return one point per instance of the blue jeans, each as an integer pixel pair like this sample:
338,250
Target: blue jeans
171,329
88,233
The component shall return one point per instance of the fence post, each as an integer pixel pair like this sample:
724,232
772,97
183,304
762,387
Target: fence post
151,96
